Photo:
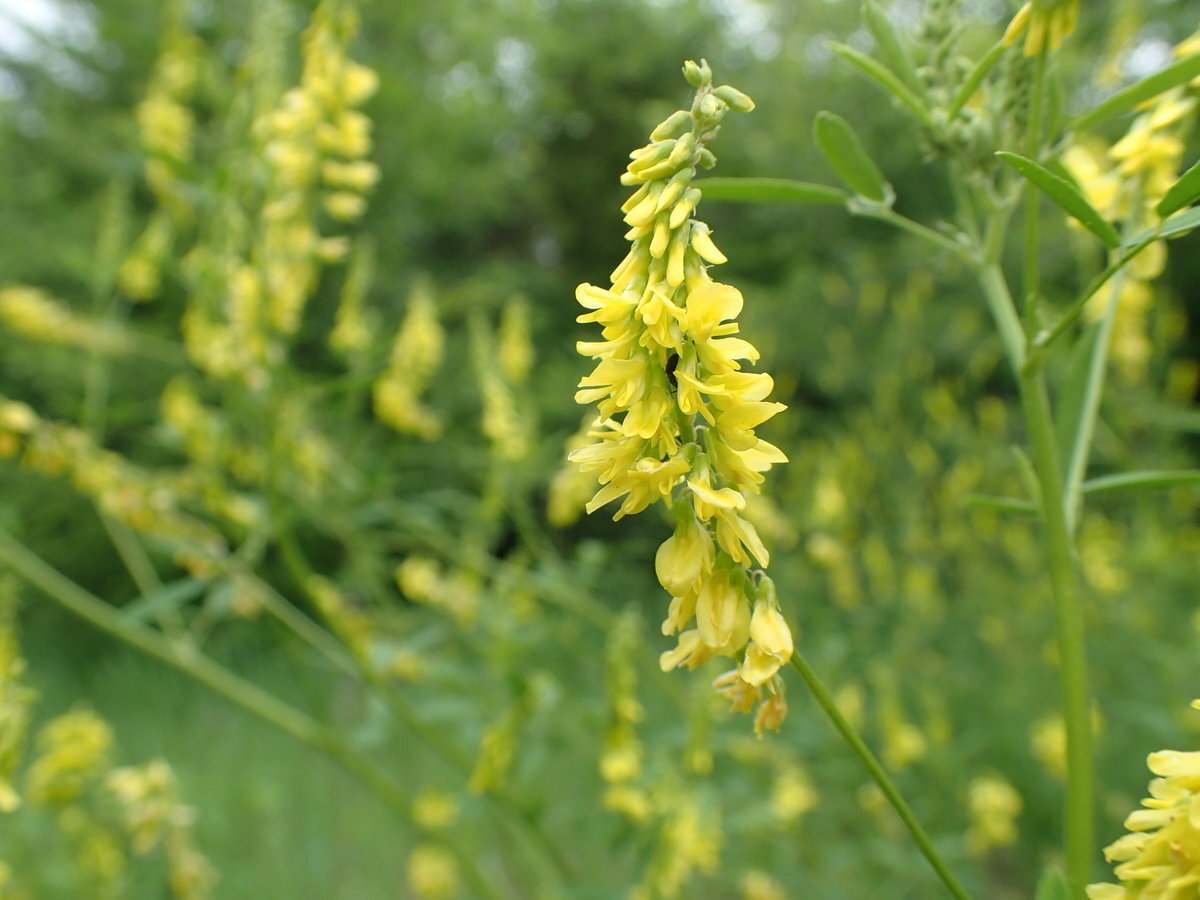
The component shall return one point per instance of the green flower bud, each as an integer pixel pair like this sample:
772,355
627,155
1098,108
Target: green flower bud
697,75
735,98
672,126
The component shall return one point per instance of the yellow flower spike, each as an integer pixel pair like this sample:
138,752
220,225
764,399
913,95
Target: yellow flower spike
676,413
1161,858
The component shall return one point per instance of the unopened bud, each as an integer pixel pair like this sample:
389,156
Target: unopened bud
672,126
735,98
695,74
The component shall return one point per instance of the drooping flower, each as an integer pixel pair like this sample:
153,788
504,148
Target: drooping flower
677,412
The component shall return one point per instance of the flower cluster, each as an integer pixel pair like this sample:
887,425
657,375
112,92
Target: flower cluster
677,412
1126,181
1161,855
1044,23
167,127
416,355
32,313
153,814
315,145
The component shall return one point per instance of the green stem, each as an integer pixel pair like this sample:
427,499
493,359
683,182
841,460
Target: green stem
1068,600
863,752
1004,313
1076,309
1069,621
886,214
1033,149
221,681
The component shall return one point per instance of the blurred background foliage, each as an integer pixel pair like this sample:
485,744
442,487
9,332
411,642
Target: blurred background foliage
499,131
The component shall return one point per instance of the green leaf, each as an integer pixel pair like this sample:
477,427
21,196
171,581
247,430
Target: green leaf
1069,404
891,46
1173,227
885,78
1123,101
1142,481
1052,885
1002,504
1027,472
1182,193
166,598
980,72
844,151
769,190
1065,195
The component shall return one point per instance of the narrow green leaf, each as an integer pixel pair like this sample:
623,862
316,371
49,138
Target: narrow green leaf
1052,885
1182,193
1027,472
1123,101
1069,402
1142,481
1002,504
844,151
168,597
885,78
980,72
1185,420
769,190
891,46
1186,221
1065,195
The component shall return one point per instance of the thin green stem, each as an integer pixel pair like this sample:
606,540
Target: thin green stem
1076,309
1033,149
879,774
1068,600
1004,313
1069,621
221,681
889,215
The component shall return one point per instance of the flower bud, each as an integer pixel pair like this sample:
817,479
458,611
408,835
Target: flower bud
697,75
734,98
672,126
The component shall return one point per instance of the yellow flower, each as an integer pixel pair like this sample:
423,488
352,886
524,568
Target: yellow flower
771,640
1044,23
994,805
676,412
1160,858
432,873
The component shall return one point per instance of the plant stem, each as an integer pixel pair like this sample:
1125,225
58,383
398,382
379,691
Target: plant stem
886,214
236,690
1068,600
1033,149
1004,313
1068,614
863,752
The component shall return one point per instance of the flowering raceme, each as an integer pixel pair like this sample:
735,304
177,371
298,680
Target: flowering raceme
677,413
1160,857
